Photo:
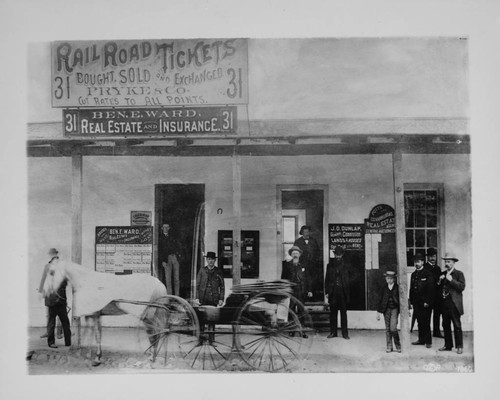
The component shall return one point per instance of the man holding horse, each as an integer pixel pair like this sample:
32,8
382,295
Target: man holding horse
57,304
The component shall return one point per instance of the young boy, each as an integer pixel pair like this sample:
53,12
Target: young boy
389,306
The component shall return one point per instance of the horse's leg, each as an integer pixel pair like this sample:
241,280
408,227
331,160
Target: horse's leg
77,324
98,336
89,327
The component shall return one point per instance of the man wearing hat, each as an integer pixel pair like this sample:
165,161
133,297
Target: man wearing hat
451,285
54,256
389,307
209,289
339,276
296,272
310,251
435,270
209,283
422,292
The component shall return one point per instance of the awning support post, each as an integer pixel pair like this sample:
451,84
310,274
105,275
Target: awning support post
236,218
397,165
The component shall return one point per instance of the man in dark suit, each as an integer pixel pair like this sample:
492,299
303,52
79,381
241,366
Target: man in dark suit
435,270
309,246
422,292
339,276
451,285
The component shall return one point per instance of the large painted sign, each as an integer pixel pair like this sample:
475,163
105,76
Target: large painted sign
124,249
150,73
150,121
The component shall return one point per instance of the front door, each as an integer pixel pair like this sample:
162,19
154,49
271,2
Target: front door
178,205
300,205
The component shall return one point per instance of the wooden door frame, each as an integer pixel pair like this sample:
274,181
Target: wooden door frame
299,188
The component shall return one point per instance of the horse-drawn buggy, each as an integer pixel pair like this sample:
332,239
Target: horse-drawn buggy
262,324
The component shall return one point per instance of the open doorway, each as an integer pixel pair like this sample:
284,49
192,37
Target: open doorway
179,206
300,205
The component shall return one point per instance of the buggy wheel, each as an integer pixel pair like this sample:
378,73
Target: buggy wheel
169,321
273,332
213,347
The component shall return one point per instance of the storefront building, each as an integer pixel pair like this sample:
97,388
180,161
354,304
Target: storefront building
337,167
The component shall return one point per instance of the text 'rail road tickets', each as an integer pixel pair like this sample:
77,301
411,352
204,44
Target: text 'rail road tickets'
154,73
149,121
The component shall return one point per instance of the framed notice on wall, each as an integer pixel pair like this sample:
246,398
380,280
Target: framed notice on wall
249,253
123,249
348,236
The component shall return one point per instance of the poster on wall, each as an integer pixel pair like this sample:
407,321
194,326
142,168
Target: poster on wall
348,236
123,249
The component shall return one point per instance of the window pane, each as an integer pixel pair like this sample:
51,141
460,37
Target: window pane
420,218
286,247
409,214
289,229
419,237
431,199
408,200
409,238
409,257
432,238
419,200
431,218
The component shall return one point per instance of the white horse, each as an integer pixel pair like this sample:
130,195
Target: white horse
97,293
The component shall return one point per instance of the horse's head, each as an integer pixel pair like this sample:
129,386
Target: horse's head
56,275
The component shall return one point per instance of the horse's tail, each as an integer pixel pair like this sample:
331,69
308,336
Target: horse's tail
159,291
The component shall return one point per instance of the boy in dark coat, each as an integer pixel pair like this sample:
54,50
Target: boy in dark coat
389,307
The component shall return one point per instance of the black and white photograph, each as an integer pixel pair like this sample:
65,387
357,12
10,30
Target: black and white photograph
202,202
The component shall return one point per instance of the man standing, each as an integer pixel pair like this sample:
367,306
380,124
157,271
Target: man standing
169,251
297,273
435,270
310,249
339,276
57,304
451,285
422,291
54,256
209,290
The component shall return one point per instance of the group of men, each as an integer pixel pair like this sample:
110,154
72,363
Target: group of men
433,291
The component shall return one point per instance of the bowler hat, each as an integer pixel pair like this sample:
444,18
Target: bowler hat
211,254
53,252
338,250
418,256
295,248
304,227
450,256
390,274
431,251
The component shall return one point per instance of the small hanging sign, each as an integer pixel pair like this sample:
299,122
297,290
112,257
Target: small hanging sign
381,220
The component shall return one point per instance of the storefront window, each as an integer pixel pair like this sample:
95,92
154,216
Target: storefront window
421,221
